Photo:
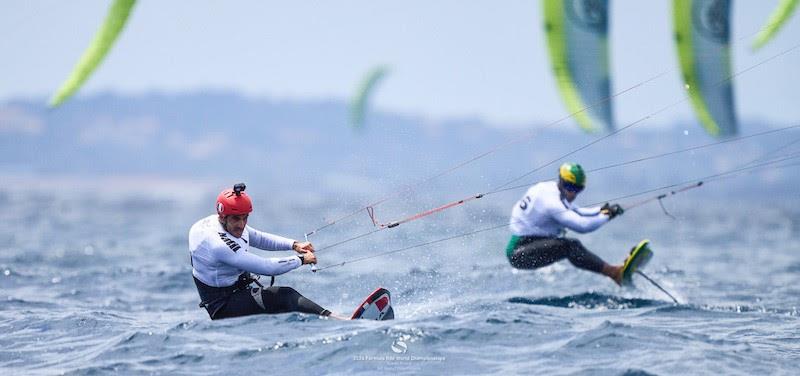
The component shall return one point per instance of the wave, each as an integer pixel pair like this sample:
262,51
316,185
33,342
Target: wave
589,300
726,309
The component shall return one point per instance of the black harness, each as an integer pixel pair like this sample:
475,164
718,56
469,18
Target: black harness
214,298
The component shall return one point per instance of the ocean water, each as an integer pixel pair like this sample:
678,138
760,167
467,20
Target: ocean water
98,282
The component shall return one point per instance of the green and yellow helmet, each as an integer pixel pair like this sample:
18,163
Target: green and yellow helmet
572,177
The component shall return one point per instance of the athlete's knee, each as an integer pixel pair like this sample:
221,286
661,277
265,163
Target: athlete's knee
574,247
288,292
573,243
293,301
289,298
582,257
576,252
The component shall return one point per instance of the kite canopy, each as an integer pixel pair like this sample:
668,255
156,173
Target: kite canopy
360,104
93,56
577,39
702,36
779,17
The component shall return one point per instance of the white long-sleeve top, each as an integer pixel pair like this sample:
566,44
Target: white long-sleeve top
218,258
543,212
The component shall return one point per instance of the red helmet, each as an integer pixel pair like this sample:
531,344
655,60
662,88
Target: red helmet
234,201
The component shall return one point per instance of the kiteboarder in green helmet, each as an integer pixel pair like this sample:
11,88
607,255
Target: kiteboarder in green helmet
540,219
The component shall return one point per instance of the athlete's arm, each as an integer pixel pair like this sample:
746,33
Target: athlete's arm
255,264
268,242
577,222
595,210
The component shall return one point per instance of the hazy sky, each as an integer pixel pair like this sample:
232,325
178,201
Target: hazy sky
449,59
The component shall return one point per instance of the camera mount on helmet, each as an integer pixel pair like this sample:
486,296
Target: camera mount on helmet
239,188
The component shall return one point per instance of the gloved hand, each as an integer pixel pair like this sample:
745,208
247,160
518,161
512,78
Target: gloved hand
612,210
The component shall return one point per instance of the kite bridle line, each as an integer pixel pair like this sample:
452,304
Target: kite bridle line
410,188
684,187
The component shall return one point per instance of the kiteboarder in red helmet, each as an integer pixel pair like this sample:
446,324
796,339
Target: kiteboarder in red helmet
221,263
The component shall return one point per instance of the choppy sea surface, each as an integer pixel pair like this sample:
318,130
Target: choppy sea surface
99,282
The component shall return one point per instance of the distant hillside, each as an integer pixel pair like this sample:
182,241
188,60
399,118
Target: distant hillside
310,145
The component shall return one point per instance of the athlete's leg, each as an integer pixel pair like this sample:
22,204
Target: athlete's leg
582,258
286,299
534,254
268,300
